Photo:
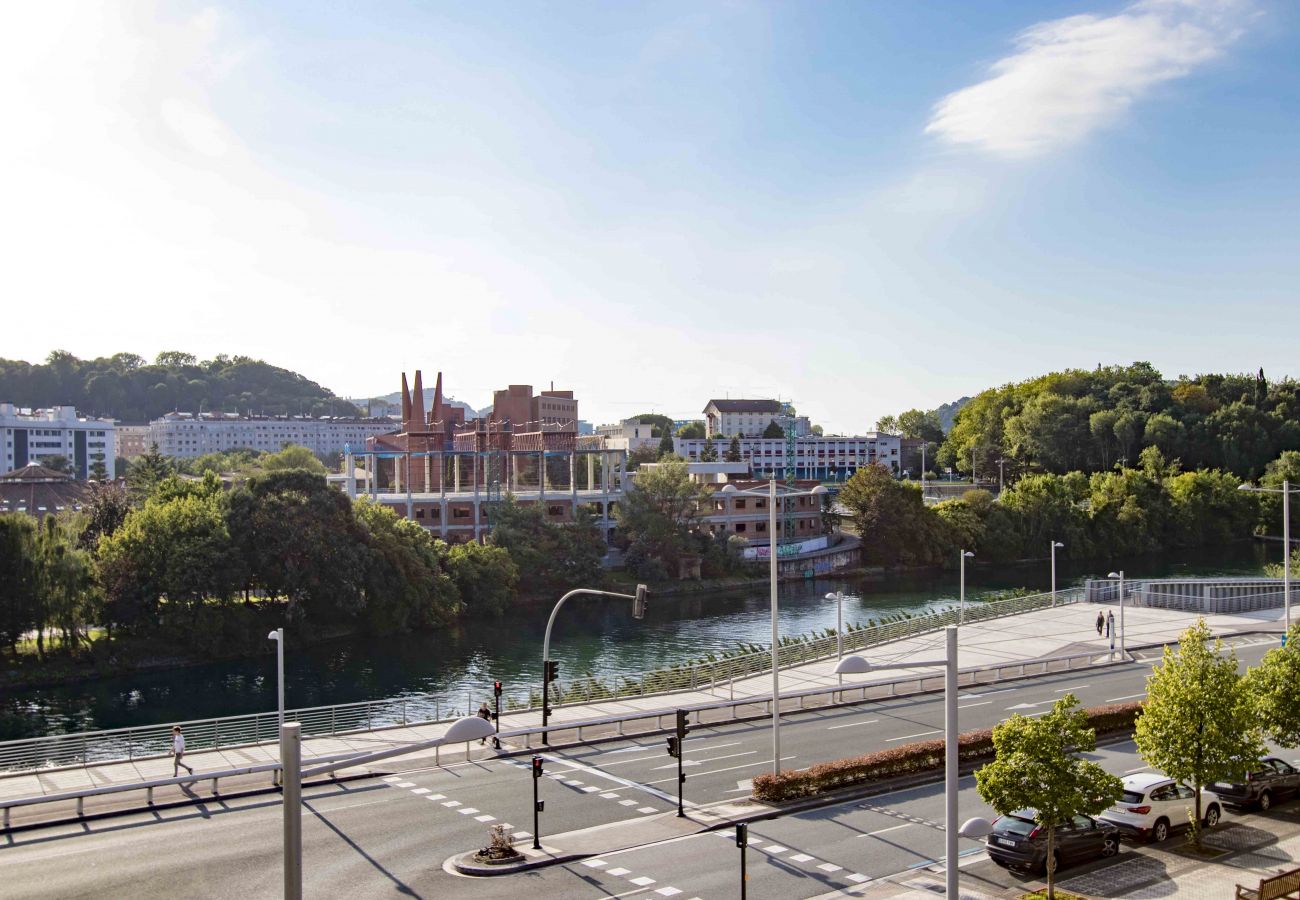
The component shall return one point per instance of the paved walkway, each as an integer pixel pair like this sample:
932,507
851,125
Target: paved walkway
1043,633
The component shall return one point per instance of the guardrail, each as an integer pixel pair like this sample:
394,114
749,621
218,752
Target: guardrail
154,741
867,690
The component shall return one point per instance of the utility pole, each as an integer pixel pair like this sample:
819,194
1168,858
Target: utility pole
537,804
742,841
291,799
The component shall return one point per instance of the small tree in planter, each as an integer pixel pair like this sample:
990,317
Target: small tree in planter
500,849
1038,767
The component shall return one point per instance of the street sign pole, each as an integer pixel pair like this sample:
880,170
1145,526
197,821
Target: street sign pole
742,841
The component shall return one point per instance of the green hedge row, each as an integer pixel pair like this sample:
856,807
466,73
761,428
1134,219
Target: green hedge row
909,759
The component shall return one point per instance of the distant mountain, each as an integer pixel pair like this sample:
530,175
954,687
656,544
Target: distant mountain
127,388
394,403
948,413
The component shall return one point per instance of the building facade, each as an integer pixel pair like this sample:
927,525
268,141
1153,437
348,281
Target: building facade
629,435
448,473
729,418
41,435
188,436
131,441
821,458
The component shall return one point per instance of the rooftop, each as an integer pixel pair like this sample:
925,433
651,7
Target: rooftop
737,406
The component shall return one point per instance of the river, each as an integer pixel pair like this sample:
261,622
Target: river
597,636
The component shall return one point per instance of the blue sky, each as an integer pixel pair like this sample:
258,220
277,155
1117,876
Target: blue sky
861,206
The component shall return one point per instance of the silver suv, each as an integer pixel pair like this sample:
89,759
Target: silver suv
1154,805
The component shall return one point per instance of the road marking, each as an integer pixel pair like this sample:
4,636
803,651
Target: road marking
627,803
419,790
642,881
594,863
644,810
801,857
830,867
918,734
485,818
1126,697
985,694
467,810
1138,769
775,848
853,724
609,796
700,762
435,796
590,789
451,804
981,703
890,828
1077,687
618,871
667,891
663,796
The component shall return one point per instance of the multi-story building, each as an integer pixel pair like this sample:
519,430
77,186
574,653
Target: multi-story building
131,441
729,418
447,473
41,435
629,435
822,458
187,436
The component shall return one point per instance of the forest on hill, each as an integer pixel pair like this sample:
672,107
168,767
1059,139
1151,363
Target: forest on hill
126,387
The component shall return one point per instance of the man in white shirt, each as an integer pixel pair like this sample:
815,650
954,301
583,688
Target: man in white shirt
178,750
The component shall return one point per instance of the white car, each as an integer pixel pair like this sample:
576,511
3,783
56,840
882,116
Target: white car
1154,805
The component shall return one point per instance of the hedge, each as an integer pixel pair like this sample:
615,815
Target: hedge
910,759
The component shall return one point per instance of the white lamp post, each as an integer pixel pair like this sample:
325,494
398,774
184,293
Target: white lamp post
278,637
776,648
1120,576
851,665
961,614
1286,492
838,597
1055,546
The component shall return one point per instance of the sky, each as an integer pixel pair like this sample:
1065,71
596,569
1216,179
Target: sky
861,207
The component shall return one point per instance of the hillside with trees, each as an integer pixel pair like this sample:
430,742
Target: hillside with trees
126,387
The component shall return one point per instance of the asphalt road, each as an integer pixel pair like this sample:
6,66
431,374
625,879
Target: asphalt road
392,835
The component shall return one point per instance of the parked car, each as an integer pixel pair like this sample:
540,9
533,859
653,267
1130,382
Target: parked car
1017,842
1154,805
1266,783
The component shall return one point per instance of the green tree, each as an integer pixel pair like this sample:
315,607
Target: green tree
1198,724
98,471
1271,687
551,558
895,525
773,430
1038,766
920,425
56,463
659,513
887,424
709,452
404,585
19,607
146,473
733,451
65,581
662,425
666,445
293,456
104,510
691,430
485,575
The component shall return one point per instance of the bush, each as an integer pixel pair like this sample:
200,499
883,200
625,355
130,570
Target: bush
910,759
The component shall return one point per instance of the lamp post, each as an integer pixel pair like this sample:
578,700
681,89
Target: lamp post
838,597
923,471
278,637
638,611
1120,576
851,665
1286,493
961,613
776,648
1055,546
1001,476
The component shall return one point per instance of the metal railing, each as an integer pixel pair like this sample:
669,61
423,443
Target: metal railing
154,741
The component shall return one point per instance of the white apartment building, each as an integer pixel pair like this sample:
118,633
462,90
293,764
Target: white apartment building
728,418
629,435
35,436
821,458
185,435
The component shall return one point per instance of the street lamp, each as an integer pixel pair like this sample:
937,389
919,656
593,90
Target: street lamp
638,611
1055,546
854,665
1286,493
838,597
961,614
1120,576
278,637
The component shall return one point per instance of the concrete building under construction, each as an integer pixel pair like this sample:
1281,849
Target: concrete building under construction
447,473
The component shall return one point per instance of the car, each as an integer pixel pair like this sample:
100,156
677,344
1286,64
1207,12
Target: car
1153,806
1018,842
1267,782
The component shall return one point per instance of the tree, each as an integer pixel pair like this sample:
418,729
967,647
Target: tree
105,509
887,424
709,453
1038,766
661,425
551,558
920,425
658,514
57,463
773,430
666,445
404,585
485,575
1271,686
733,451
146,473
1198,724
895,525
640,456
293,456
691,430
18,577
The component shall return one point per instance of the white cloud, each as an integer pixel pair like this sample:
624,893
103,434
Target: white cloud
1071,76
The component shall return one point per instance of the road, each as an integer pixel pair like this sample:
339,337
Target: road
392,834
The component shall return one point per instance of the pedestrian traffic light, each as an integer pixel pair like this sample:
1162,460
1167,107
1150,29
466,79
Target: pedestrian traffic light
682,717
674,748
496,689
537,767
742,834
638,603
551,670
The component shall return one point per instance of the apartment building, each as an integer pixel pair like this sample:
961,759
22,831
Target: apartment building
187,436
816,457
40,435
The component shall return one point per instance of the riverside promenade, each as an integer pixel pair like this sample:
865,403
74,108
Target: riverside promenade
1065,630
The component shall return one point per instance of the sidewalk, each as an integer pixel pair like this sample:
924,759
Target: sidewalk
1033,635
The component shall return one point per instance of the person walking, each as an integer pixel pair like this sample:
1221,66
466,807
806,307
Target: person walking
484,713
1101,623
178,751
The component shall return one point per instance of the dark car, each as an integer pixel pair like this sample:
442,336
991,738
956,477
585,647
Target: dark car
1018,842
1266,783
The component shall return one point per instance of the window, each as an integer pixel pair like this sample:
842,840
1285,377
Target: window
554,510
419,514
740,527
460,513
760,526
740,503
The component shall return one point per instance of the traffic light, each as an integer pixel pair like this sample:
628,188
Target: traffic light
638,603
496,689
551,670
674,748
682,717
537,767
742,835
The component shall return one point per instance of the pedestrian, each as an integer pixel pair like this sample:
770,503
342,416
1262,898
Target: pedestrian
1101,623
484,713
178,751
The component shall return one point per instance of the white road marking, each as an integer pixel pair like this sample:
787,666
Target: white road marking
618,871
760,762
642,881
1126,697
594,863
700,762
829,867
918,734
801,857
981,703
890,828
1077,687
853,724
